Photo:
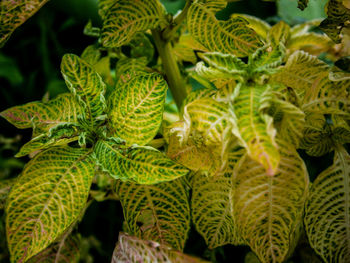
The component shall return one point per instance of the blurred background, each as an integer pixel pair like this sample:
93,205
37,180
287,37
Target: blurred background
30,70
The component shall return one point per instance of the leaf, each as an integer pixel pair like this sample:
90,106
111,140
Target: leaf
46,199
124,19
91,54
337,17
143,165
5,187
302,4
301,72
327,211
159,212
212,205
254,129
133,249
258,25
43,116
15,13
279,33
231,37
265,59
127,68
61,134
312,43
141,46
267,212
84,82
136,108
288,120
64,251
185,47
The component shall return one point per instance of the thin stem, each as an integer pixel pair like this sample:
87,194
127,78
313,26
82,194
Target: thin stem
169,31
171,68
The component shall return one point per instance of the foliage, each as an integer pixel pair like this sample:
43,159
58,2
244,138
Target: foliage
227,162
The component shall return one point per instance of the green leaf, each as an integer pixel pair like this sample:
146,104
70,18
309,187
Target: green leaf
91,54
127,68
133,249
61,134
64,251
212,205
124,18
136,108
159,212
254,128
310,42
15,13
258,25
46,199
279,33
143,165
301,72
337,17
268,209
266,59
327,211
231,37
43,116
84,82
5,187
141,46
288,120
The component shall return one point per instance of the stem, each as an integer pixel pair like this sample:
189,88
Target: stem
169,31
171,68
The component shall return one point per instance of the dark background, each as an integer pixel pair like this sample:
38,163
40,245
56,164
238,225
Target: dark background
30,68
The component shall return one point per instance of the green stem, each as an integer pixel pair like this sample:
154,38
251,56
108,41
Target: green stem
171,68
169,31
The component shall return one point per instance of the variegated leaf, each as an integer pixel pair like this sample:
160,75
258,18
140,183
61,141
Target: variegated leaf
66,250
212,205
46,199
133,249
5,187
310,42
84,82
266,59
327,211
185,48
279,33
267,212
127,68
337,16
258,25
91,54
254,128
42,116
136,108
15,13
288,120
143,165
159,212
124,18
301,72
302,4
231,37
61,134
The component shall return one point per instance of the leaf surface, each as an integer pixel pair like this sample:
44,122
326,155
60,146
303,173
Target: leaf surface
136,108
5,187
15,13
268,212
230,37
327,211
159,212
84,82
144,165
133,249
212,205
46,199
124,18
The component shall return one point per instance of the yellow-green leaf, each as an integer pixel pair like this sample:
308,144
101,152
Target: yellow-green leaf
43,116
310,42
124,18
132,249
127,68
279,33
159,212
46,199
185,47
15,13
327,211
61,134
266,59
268,209
254,128
258,25
91,54
66,250
212,205
233,36
136,108
143,165
84,82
